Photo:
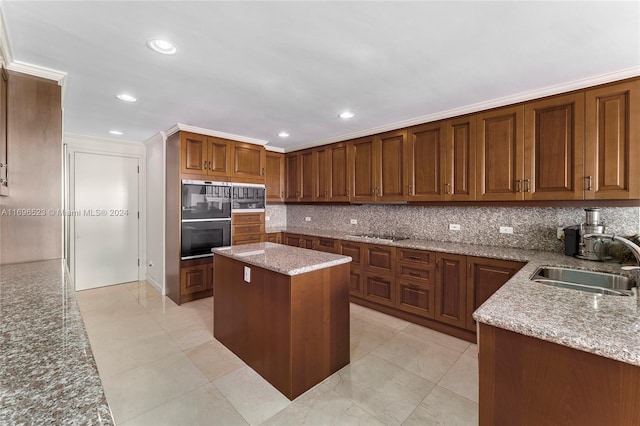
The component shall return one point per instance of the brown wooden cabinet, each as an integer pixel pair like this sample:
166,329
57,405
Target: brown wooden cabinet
554,148
247,228
451,289
484,277
415,282
338,173
354,250
301,176
196,279
378,276
204,155
248,162
440,160
322,181
274,177
274,237
379,259
376,165
297,240
613,142
329,245
499,153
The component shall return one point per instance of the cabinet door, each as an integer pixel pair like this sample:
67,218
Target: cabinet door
328,245
379,288
356,286
293,177
500,154
415,297
613,142
380,259
247,162
274,237
349,248
451,289
274,176
554,148
218,156
361,157
321,187
338,173
293,240
194,279
193,153
460,181
485,277
308,182
425,166
389,161
308,242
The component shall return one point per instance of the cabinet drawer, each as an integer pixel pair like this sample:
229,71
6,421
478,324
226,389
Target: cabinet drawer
194,279
247,239
417,298
379,288
248,229
380,259
328,245
348,248
415,272
355,283
242,218
414,256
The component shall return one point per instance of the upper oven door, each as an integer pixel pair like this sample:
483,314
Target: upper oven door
248,197
205,200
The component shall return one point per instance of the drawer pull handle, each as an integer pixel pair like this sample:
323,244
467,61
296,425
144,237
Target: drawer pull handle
414,257
414,285
414,274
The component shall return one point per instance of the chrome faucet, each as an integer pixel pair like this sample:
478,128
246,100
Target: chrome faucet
635,249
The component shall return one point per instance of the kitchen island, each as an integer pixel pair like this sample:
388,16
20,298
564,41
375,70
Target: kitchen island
284,311
47,371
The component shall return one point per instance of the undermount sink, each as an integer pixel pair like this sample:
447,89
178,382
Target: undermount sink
589,281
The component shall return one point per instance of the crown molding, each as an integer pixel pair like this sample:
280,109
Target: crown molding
274,149
482,106
187,128
38,71
156,136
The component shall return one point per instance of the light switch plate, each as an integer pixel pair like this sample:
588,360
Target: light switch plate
307,219
267,218
454,227
506,230
354,221
247,274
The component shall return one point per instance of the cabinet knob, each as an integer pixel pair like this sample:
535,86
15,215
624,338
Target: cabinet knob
527,186
282,194
447,187
518,185
262,172
589,183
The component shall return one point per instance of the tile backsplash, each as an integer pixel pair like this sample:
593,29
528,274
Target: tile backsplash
533,227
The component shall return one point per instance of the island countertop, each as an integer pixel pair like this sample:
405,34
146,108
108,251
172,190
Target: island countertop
280,258
47,371
604,325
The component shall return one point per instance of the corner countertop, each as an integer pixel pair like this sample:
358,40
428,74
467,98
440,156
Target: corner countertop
47,371
286,260
604,325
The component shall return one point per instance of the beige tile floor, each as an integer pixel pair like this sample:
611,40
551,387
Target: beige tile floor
160,365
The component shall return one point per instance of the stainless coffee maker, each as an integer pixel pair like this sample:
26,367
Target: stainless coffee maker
592,225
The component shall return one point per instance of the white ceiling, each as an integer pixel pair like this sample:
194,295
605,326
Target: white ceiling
256,68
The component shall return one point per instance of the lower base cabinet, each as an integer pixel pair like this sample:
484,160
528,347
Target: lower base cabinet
196,279
451,289
379,288
416,298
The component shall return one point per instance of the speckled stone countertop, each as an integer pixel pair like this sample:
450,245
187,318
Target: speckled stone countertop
47,371
283,259
605,325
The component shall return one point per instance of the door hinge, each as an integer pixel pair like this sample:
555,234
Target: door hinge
138,169
138,262
138,215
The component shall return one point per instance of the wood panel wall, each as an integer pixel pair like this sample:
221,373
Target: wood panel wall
34,139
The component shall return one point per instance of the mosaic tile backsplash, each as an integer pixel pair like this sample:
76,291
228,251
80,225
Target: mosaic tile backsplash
533,227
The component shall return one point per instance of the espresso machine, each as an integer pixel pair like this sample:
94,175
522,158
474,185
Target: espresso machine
584,248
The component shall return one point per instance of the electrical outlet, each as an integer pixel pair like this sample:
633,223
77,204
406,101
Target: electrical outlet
247,274
506,230
307,219
454,227
354,221
267,218
560,233
150,263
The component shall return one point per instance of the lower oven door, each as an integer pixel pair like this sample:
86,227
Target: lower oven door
200,236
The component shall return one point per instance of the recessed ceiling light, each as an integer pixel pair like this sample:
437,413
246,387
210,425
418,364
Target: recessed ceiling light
162,46
347,114
115,132
126,97
283,134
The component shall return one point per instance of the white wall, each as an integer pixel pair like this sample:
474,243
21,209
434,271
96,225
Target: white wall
155,195
90,144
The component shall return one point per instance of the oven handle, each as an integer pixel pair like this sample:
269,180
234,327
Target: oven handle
222,219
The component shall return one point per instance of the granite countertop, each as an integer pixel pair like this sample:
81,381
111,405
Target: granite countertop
47,371
604,325
283,259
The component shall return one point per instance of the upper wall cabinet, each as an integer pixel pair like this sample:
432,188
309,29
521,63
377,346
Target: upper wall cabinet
440,161
554,148
376,165
222,158
500,152
248,162
301,174
274,176
613,142
337,173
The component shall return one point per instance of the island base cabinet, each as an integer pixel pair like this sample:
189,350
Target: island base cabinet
292,330
528,381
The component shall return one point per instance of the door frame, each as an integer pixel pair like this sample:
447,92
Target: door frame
103,146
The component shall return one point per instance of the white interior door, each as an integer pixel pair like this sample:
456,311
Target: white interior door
106,220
